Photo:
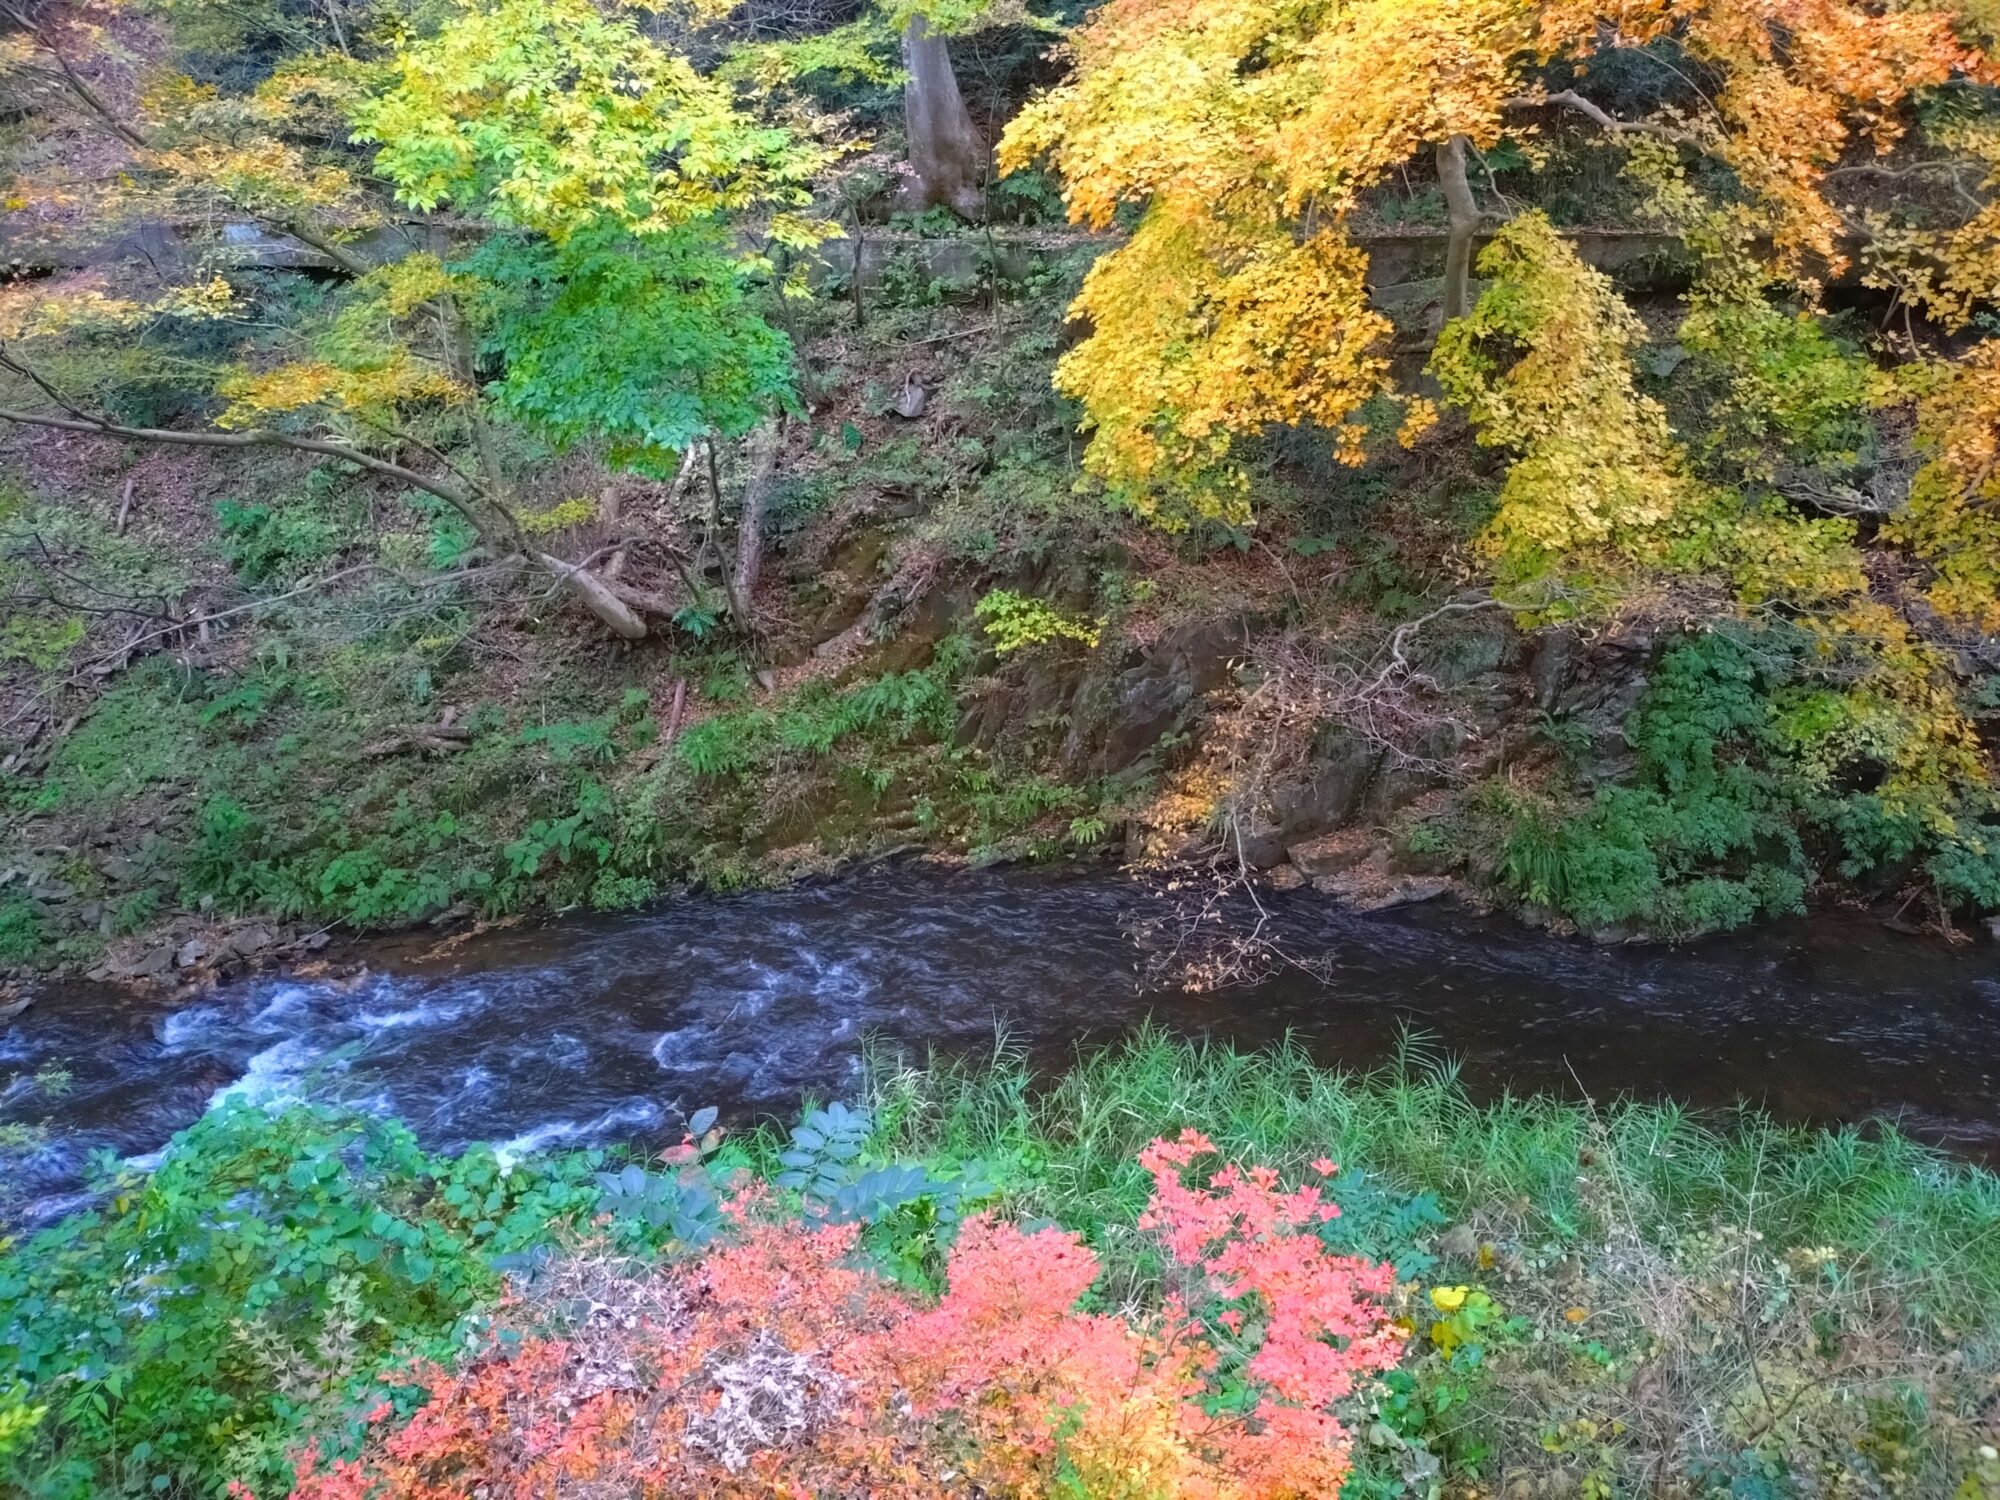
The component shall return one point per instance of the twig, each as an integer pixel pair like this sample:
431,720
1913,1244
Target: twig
674,713
1570,99
251,608
946,338
125,505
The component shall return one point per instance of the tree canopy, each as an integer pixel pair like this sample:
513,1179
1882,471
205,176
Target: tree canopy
542,216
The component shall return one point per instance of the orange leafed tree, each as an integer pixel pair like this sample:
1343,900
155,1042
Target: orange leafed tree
1243,135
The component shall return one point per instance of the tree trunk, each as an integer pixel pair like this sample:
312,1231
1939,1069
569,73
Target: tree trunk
1463,221
597,597
945,151
750,528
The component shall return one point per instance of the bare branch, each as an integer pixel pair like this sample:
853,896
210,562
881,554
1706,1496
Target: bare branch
71,79
254,437
1571,100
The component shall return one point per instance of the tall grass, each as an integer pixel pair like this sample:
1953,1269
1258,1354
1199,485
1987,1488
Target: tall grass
1540,1170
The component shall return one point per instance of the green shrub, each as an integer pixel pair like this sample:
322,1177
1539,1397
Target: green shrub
1704,838
22,931
273,1269
267,545
1014,622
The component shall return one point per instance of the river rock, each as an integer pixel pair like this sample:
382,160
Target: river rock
1284,877
1153,691
1372,885
252,939
192,952
1551,662
152,963
1331,853
12,1006
1410,890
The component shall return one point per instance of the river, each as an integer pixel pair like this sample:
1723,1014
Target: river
601,1029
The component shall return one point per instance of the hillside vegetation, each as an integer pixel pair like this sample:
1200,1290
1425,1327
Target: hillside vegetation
475,456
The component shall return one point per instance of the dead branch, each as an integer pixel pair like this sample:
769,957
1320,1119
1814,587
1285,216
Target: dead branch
467,499
312,585
431,739
749,567
673,728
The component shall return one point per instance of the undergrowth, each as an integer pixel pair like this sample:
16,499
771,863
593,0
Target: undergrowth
1739,801
1596,1300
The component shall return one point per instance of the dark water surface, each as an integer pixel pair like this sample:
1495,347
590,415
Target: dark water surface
605,1029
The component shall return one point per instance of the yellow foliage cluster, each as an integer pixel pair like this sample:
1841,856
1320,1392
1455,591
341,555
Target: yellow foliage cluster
1952,520
578,510
1899,709
1597,471
1243,131
373,393
40,310
1217,333
1600,492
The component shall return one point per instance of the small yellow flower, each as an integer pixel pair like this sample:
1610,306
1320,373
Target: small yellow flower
1449,1299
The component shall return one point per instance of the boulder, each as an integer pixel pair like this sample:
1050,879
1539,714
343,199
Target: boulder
252,939
1407,891
1331,853
152,963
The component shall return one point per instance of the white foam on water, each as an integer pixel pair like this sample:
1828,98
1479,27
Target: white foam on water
283,1007
837,979
423,1013
271,1076
760,988
669,1043
637,1112
190,1027
57,1206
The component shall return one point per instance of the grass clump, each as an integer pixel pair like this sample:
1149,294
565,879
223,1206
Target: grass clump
1720,1306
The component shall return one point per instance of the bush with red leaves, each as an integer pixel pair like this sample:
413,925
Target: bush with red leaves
777,1365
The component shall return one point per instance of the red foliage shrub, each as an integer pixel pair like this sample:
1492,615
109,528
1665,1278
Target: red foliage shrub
775,1366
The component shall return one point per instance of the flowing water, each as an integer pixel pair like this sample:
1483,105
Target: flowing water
605,1029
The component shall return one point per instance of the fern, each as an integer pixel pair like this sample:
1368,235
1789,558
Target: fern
683,1206
827,1162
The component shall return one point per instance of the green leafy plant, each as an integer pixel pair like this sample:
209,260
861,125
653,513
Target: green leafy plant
1014,622
1706,834
274,545
270,1265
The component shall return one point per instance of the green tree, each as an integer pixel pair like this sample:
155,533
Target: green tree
549,225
